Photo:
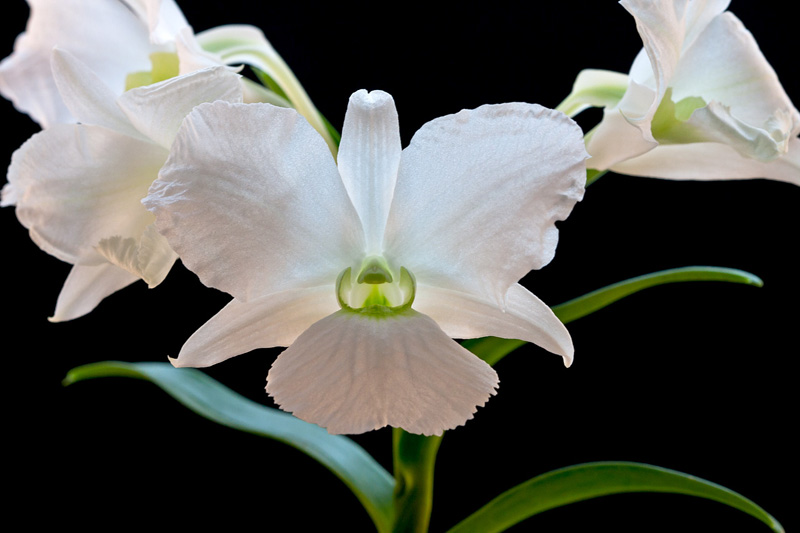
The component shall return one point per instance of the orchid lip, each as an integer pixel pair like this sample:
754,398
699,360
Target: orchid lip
165,66
375,291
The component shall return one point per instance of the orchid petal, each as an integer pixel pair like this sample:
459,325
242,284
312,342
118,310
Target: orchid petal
525,317
76,185
716,123
191,55
615,139
148,257
368,159
271,320
709,161
724,64
353,373
667,29
238,44
158,110
261,195
86,96
106,35
661,27
455,180
9,195
164,18
85,288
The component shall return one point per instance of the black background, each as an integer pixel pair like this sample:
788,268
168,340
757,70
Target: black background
695,377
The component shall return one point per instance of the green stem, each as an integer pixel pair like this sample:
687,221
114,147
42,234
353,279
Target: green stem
414,457
593,175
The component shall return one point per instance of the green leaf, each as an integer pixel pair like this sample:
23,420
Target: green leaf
269,83
591,480
370,482
493,349
596,300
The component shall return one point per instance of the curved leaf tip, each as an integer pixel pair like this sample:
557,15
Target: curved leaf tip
591,480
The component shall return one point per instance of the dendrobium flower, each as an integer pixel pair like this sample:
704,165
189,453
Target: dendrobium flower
367,271
700,101
130,43
78,187
114,38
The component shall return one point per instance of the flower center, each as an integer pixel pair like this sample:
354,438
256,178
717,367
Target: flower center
376,291
165,66
668,124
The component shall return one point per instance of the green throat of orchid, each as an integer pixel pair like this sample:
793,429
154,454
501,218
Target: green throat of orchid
376,292
669,123
165,66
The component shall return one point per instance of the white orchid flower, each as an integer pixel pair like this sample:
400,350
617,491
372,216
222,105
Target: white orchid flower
78,187
367,271
130,43
700,101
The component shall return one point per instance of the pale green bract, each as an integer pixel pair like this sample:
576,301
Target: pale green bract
367,275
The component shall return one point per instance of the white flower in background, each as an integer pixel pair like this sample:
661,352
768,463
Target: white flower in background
78,187
367,271
130,43
113,37
700,101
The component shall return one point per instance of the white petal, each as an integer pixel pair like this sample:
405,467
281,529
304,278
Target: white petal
272,320
158,110
716,123
9,195
86,286
164,18
664,28
352,373
86,96
26,80
708,161
698,15
105,35
191,55
148,257
368,158
661,26
251,200
231,44
616,139
667,30
76,185
238,44
526,317
478,194
725,64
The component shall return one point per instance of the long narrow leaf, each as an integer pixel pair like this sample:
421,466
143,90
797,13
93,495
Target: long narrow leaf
370,482
596,300
493,349
591,480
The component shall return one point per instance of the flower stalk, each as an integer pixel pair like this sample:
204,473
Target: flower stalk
413,457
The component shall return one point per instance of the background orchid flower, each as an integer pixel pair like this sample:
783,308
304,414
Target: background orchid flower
130,43
78,187
700,101
367,270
